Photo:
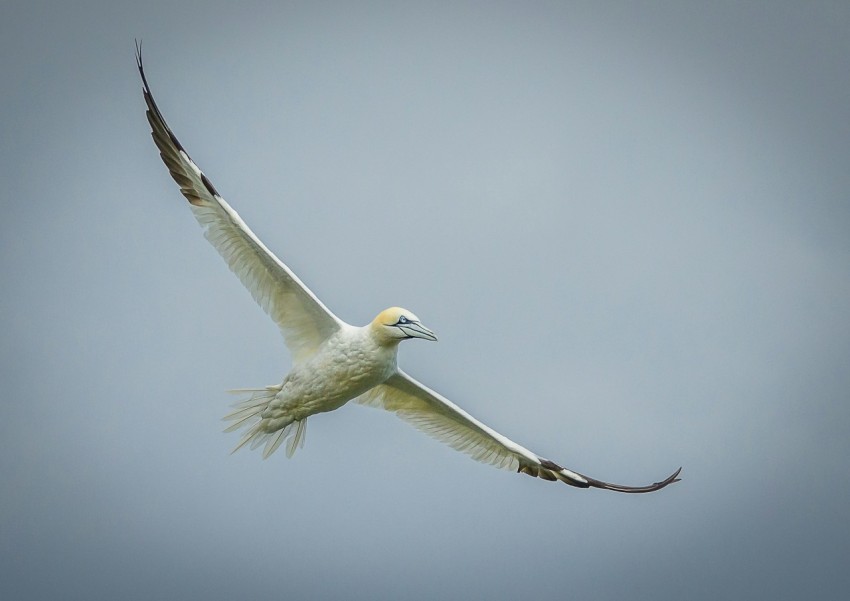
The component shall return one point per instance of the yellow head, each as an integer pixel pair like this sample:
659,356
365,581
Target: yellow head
395,324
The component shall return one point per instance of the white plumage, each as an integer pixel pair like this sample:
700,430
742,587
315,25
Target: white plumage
334,362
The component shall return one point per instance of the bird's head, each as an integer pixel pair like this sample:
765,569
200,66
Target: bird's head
395,324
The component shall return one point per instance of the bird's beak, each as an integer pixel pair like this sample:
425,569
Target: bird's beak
417,330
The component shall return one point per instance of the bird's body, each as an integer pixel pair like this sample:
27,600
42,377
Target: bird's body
349,363
334,362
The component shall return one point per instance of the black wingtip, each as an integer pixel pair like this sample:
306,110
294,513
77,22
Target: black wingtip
553,471
671,479
141,67
160,130
154,109
138,53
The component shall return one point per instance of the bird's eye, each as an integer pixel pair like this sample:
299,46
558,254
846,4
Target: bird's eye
402,319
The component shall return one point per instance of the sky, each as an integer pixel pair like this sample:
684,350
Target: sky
627,222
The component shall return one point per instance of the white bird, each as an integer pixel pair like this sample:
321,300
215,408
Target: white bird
334,362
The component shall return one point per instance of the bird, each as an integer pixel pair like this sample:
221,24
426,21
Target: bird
334,362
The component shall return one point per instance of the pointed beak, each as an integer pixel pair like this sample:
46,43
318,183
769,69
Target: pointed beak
417,330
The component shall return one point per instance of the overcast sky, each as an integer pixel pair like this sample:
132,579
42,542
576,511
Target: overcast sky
629,224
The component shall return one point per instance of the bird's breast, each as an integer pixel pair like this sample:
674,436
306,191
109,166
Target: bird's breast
345,367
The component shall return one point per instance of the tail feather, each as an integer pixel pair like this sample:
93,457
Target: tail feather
273,443
297,441
241,420
247,413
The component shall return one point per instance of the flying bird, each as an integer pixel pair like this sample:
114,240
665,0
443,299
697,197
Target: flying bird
334,362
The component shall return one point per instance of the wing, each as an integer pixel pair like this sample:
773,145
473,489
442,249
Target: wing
302,318
442,419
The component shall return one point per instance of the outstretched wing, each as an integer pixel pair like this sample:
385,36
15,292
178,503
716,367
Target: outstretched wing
302,318
442,419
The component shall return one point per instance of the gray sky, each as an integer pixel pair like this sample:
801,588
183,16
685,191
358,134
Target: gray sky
628,223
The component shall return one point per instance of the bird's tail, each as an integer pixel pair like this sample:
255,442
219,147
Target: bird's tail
248,414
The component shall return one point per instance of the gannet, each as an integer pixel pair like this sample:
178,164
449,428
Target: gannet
334,362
